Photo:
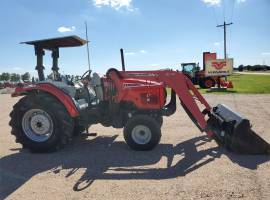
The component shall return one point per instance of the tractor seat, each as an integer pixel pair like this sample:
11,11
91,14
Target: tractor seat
97,85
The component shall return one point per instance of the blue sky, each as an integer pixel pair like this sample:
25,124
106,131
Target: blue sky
154,33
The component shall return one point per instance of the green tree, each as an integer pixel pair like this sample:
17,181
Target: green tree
15,77
25,76
241,68
249,67
5,76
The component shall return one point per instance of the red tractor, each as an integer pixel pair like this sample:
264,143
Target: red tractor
52,112
199,77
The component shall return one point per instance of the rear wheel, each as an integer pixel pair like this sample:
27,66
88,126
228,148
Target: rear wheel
41,123
142,133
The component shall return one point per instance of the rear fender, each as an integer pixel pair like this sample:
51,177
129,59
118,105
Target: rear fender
64,98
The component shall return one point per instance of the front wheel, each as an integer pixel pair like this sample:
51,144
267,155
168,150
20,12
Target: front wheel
159,120
207,83
142,133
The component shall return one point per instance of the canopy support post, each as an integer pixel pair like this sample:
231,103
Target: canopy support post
40,68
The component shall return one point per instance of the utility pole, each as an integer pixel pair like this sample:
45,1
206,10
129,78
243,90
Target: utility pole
224,28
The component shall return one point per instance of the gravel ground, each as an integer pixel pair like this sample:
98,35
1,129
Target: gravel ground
186,165
6,90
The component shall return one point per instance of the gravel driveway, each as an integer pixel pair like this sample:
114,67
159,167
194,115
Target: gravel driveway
186,164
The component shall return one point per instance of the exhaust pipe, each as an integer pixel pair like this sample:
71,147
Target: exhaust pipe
234,132
122,60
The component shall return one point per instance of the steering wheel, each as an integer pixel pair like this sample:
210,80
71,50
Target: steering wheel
88,72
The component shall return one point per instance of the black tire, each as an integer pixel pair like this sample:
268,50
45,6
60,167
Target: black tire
151,125
207,83
159,120
62,122
201,85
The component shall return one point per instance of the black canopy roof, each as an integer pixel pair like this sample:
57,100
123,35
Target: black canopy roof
52,43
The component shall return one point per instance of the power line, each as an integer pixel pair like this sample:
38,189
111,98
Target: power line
215,15
233,7
224,10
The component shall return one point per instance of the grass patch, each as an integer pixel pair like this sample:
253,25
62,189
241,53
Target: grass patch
244,84
251,83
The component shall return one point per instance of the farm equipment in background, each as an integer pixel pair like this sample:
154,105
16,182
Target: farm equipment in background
208,78
52,112
8,84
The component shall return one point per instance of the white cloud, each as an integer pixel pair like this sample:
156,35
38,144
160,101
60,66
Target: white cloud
116,4
130,53
143,51
216,43
212,2
64,29
218,2
265,53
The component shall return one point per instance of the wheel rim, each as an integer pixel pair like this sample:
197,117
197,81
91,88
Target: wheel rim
141,134
208,83
37,125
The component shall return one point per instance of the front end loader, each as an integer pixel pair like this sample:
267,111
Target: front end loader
52,112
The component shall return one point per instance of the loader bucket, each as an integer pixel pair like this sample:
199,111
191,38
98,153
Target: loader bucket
234,132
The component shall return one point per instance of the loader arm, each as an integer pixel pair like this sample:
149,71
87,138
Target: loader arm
181,85
188,95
